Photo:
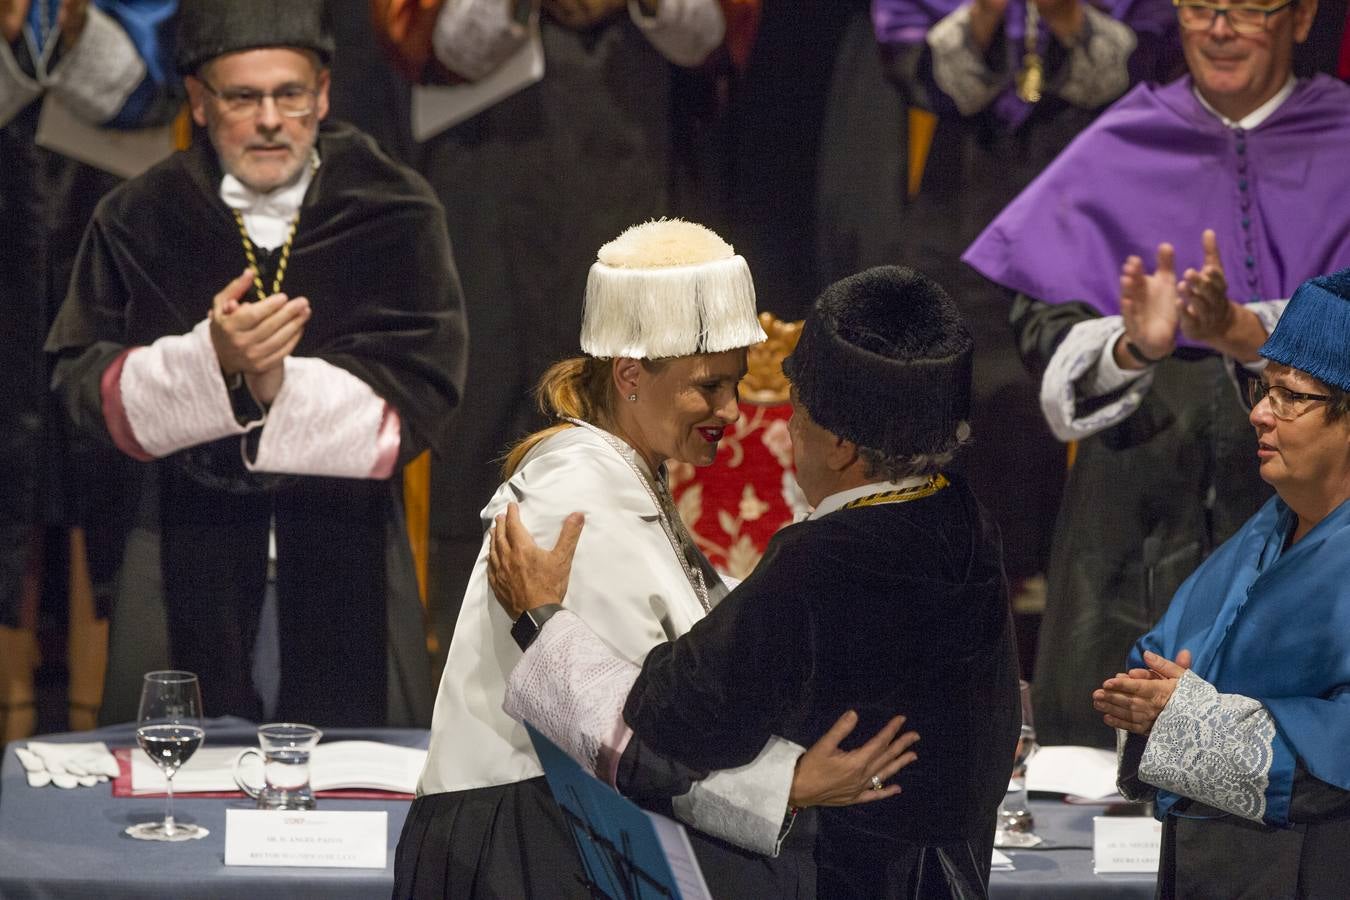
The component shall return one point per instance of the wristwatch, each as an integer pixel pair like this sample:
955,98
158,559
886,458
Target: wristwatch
526,628
243,405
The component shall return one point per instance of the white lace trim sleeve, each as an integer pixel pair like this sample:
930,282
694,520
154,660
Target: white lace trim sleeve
745,806
326,421
473,37
958,64
1083,366
683,31
17,90
101,70
1212,747
1097,70
174,394
572,688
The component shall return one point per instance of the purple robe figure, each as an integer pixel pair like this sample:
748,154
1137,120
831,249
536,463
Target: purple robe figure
902,23
1160,167
1151,494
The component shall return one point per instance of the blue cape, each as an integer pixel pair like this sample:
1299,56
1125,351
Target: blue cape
1273,624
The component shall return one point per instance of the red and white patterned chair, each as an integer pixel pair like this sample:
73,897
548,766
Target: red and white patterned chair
735,505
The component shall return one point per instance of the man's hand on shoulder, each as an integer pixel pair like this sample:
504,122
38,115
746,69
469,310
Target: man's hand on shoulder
254,339
524,575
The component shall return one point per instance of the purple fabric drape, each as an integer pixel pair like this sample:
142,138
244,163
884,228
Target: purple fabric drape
1157,166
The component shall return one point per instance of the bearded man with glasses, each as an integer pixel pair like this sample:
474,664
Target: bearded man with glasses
1145,265
1235,714
270,324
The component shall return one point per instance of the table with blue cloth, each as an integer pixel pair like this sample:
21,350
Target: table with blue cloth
69,843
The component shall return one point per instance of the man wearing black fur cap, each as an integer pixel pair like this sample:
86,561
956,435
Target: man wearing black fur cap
889,598
275,406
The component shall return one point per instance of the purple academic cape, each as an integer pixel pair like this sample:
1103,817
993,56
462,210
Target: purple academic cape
1157,166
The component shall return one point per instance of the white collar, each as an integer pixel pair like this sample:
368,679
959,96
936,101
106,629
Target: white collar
267,217
841,499
1256,116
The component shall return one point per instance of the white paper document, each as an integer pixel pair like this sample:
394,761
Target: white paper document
1125,844
1088,772
336,839
1000,862
340,765
680,854
124,153
436,107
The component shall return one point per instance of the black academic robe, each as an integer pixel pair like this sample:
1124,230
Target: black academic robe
372,255
896,608
1144,503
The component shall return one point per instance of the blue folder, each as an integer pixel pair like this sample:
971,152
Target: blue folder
618,844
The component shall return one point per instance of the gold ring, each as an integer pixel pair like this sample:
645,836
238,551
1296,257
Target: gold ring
876,783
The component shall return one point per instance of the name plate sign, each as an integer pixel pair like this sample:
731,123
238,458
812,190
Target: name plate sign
1125,844
341,839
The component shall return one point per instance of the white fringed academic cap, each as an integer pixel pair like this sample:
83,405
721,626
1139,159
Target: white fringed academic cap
668,288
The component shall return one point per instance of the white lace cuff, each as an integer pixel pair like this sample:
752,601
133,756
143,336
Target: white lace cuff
958,64
17,90
326,421
683,31
173,394
745,806
1214,748
572,688
1083,366
1097,70
473,37
100,71
1268,312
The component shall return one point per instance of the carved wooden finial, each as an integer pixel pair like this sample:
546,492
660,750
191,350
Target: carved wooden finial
765,382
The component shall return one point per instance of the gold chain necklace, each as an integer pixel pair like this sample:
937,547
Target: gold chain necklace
902,495
285,248
1032,74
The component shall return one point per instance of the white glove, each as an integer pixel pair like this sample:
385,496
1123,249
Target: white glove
67,765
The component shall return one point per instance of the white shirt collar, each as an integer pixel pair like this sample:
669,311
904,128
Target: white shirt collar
267,217
1256,116
843,498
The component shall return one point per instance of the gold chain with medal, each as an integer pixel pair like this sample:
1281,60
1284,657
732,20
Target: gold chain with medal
1031,76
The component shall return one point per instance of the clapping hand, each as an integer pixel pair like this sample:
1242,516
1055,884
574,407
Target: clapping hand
1064,18
12,14
581,14
1206,312
828,776
256,338
1150,304
985,18
70,20
1132,700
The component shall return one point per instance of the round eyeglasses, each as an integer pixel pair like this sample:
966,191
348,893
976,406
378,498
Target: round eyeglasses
1197,15
1284,404
293,101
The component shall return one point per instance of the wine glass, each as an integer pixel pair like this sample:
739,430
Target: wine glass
169,729
1015,824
